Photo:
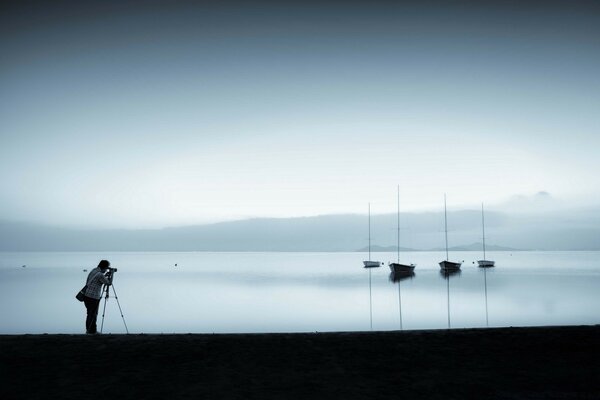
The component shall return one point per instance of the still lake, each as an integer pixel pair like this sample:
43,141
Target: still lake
298,292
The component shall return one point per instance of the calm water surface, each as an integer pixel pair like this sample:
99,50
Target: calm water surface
299,292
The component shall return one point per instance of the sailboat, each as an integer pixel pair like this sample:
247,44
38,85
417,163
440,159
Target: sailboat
396,267
369,263
484,263
448,265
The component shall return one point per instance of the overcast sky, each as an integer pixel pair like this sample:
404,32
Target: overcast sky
122,115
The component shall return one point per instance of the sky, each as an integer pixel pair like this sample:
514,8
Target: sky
135,115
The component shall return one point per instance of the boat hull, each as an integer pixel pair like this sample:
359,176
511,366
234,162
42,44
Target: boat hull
486,263
399,268
372,264
450,265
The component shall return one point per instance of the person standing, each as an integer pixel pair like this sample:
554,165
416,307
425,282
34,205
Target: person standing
93,294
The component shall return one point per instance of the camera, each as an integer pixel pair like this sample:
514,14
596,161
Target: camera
109,273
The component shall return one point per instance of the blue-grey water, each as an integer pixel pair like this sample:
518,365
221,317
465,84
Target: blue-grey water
298,292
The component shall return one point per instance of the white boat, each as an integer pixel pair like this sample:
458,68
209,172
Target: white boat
397,267
372,264
369,263
484,263
448,265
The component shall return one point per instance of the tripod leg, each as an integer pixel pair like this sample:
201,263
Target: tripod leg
104,309
121,311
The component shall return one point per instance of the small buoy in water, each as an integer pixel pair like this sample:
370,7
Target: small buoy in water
85,270
175,264
23,266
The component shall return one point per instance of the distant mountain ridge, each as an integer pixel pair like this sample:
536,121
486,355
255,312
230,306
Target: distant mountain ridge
385,249
574,230
469,247
478,247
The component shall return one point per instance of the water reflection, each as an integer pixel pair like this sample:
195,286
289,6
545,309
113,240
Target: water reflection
447,274
487,323
204,294
396,277
400,276
370,299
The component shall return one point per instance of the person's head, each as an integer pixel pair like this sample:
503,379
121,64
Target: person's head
103,265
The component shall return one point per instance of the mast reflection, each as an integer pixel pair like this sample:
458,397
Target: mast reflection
447,274
396,277
487,320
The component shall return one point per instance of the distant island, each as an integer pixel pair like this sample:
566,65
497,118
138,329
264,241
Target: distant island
573,230
469,247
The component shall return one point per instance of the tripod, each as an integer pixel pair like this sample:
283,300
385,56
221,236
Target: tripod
106,296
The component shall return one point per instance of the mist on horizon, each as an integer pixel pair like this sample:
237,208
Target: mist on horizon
124,115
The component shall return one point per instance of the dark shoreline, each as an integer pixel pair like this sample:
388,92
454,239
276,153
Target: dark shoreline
498,363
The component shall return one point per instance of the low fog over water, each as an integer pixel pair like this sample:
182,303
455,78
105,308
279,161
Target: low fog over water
509,229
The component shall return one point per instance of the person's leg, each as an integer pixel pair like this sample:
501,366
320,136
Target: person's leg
88,304
92,314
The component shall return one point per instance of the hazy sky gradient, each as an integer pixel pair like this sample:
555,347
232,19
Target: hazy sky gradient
168,114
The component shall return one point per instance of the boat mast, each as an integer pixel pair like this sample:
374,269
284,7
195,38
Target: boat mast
398,224
446,226
483,230
369,231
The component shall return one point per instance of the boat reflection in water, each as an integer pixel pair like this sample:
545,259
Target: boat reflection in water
396,277
487,320
447,273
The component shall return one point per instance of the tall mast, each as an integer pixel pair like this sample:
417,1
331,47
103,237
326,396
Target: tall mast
483,230
369,231
398,224
446,226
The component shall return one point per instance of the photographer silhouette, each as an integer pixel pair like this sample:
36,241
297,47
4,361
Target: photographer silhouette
93,293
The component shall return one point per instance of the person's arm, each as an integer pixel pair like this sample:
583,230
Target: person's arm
104,279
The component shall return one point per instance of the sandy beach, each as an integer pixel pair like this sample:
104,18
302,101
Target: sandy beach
501,363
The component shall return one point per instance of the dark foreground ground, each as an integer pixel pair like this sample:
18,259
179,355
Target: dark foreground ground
507,363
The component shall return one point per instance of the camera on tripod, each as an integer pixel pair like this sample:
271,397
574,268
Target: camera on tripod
109,273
